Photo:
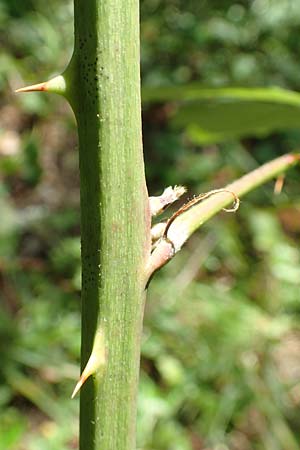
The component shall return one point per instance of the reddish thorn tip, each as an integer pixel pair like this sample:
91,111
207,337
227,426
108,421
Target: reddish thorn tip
33,88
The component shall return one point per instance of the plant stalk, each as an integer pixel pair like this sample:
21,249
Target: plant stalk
115,218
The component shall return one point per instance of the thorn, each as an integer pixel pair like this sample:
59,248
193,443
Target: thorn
33,88
56,85
80,382
96,360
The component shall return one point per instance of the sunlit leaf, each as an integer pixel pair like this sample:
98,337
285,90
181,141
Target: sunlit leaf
215,115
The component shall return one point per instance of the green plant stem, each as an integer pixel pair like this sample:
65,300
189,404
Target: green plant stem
115,219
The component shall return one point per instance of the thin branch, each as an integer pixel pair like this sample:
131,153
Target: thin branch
190,217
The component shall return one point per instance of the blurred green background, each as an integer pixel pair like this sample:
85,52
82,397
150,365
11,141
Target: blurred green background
220,367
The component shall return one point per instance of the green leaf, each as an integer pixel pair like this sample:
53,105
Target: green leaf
218,114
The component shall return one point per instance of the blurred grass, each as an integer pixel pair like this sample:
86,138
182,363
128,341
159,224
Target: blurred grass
221,343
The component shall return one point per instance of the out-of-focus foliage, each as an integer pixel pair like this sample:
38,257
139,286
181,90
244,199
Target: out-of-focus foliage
221,345
215,115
